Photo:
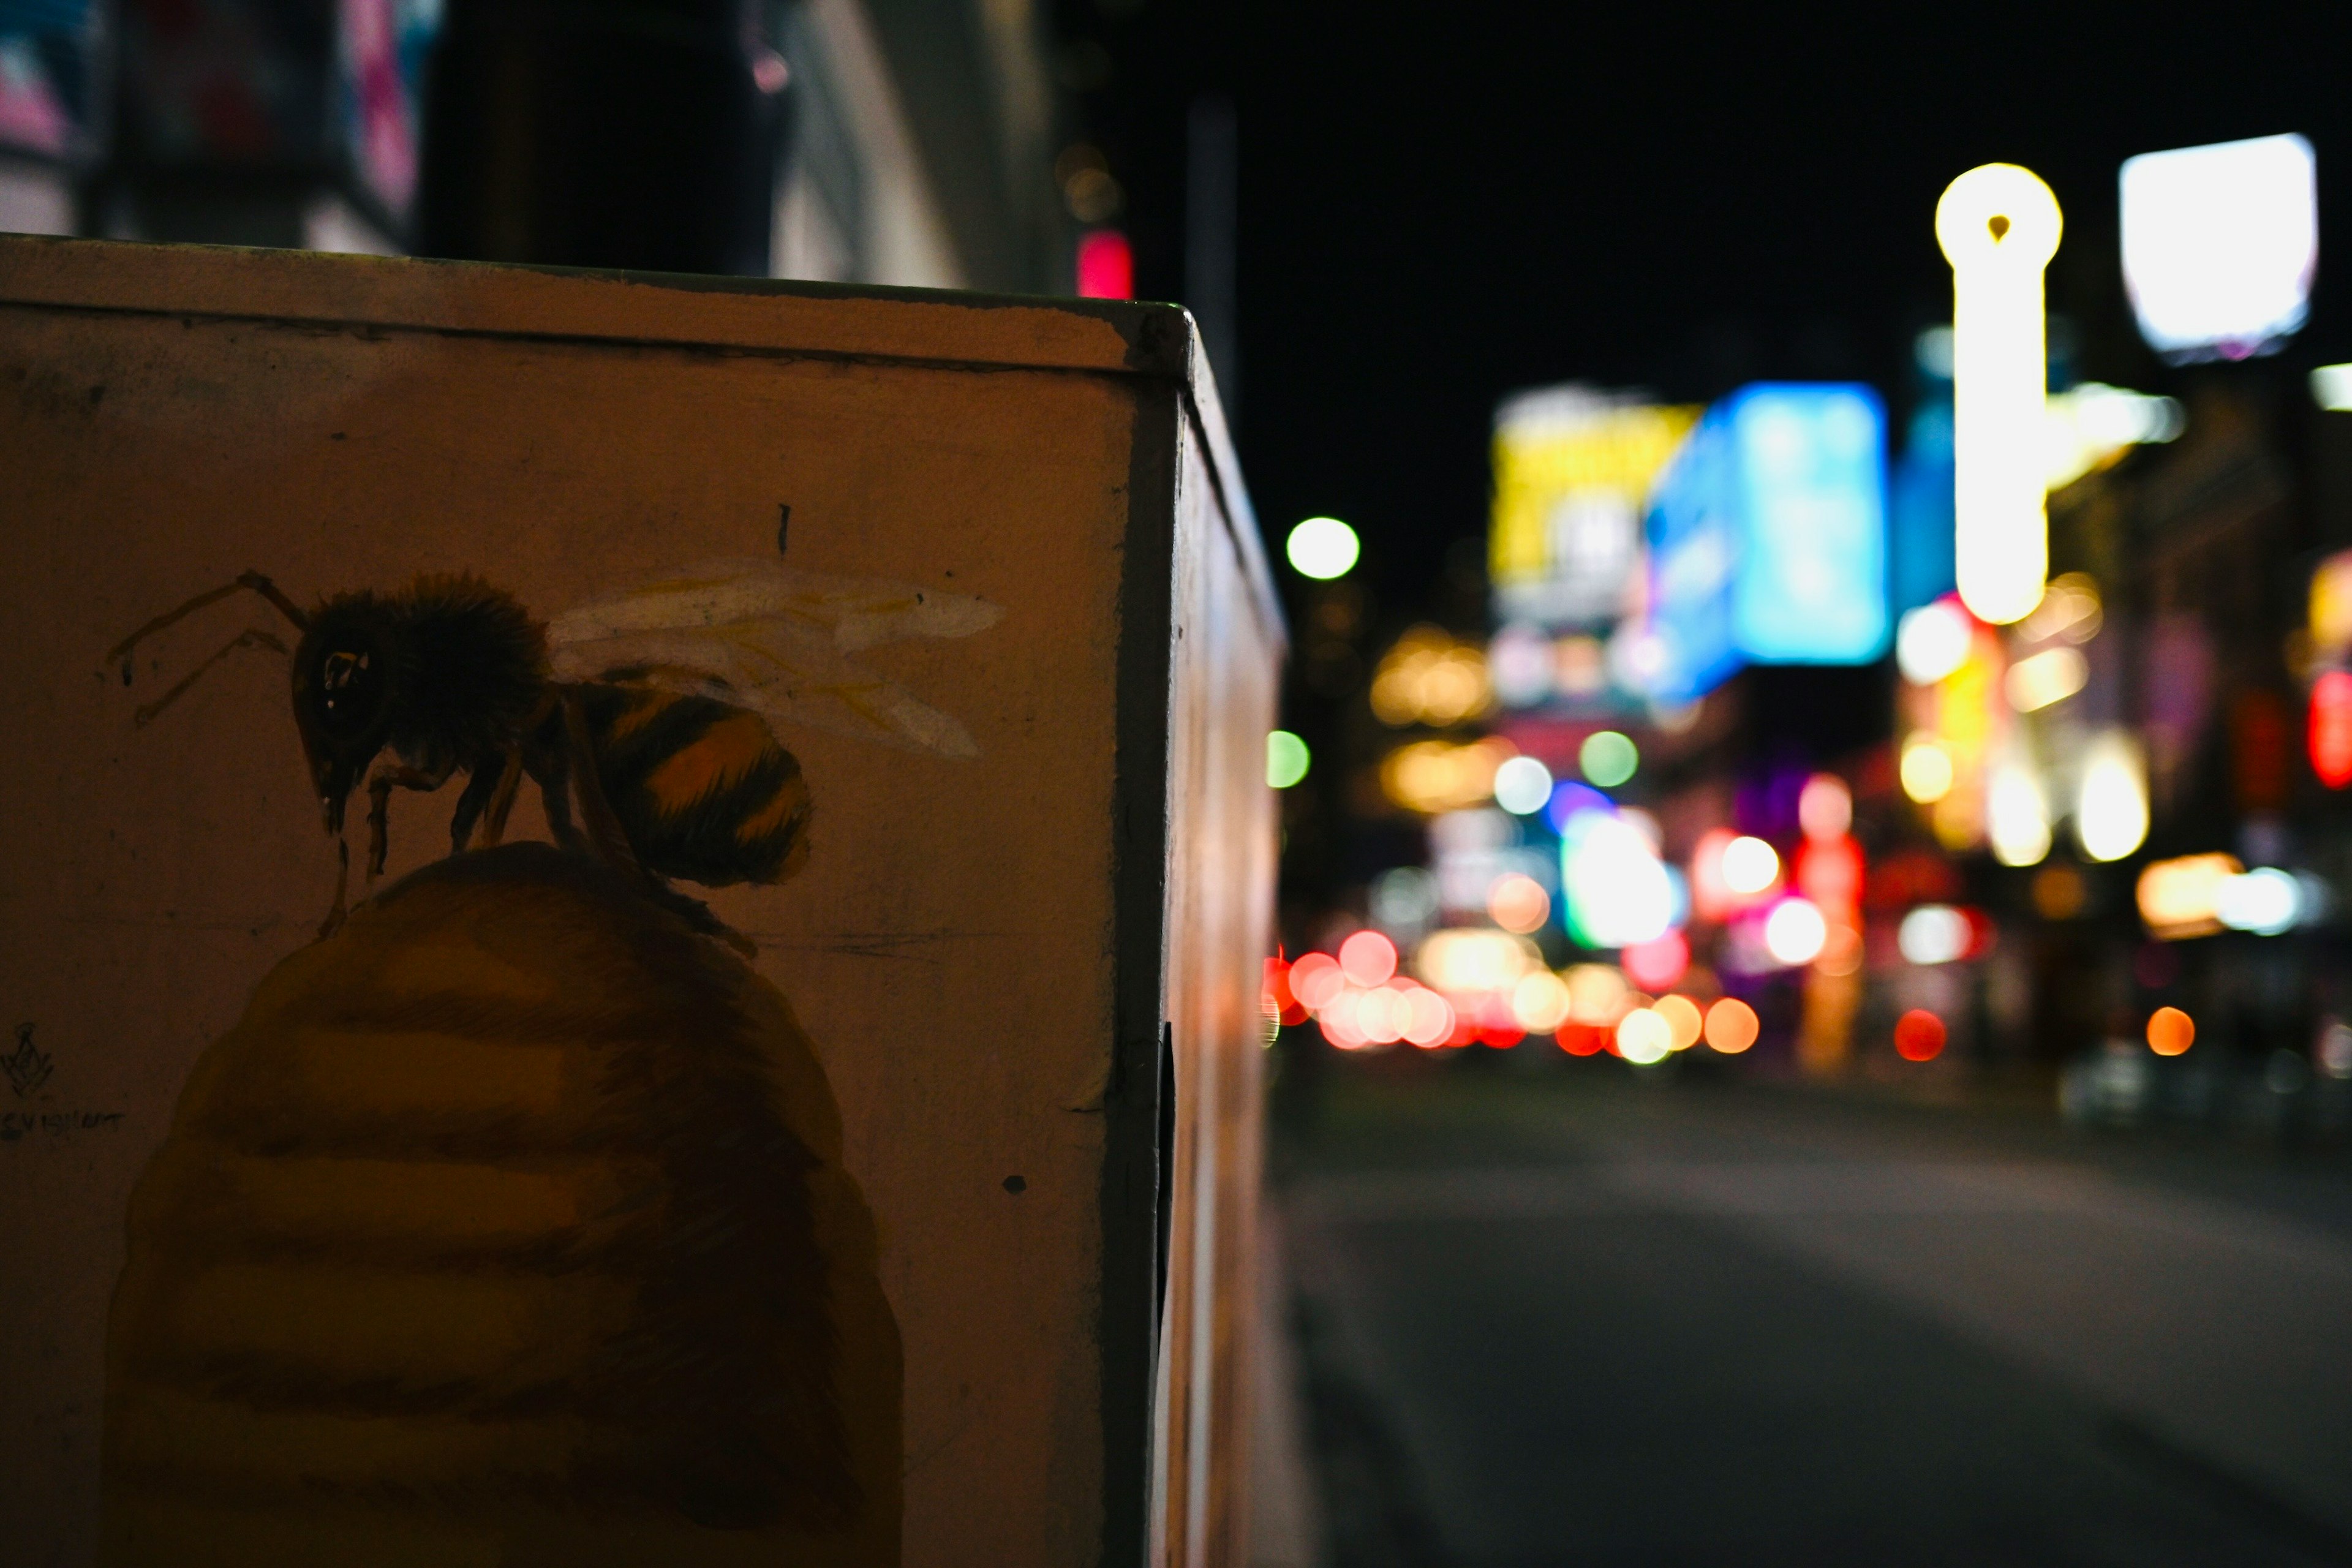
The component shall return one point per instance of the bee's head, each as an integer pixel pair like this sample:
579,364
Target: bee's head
344,689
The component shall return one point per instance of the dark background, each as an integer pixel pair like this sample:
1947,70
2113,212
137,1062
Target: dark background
1439,205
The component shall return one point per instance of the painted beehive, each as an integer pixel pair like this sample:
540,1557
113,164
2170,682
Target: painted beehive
508,1225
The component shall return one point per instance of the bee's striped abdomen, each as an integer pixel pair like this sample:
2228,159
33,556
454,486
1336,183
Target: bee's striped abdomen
700,786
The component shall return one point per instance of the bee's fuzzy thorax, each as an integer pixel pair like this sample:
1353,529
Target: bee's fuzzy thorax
470,664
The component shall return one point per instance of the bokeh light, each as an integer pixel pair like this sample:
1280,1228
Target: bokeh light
1731,1026
1617,891
1105,266
1540,1003
2170,1032
1430,678
2111,800
1285,759
1659,962
1644,1037
2017,815
2328,735
1571,800
1462,961
1685,1022
1608,758
1919,1036
1750,866
1926,769
1323,548
1522,787
1825,808
1932,641
2264,901
1794,931
1433,776
1368,958
1316,980
1932,933
1518,904
1430,1020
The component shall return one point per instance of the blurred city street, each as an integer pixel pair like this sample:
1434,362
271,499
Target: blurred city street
1572,1317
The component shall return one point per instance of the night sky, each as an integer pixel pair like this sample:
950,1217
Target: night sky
1442,204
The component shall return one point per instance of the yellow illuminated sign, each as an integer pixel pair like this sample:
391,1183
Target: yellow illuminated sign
1572,473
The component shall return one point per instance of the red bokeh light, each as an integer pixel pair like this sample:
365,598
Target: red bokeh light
2330,734
1368,958
1582,1039
1919,1036
1279,999
1830,872
1105,266
1658,963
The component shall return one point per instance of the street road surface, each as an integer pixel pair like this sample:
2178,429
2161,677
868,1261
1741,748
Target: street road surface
1565,1317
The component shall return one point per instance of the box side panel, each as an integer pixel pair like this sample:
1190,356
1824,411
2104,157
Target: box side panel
1221,895
946,952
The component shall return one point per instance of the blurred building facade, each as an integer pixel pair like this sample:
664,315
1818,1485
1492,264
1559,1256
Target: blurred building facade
896,141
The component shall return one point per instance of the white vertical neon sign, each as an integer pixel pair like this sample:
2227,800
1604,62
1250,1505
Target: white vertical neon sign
1998,227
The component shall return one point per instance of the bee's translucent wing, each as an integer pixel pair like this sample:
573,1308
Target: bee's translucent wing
775,639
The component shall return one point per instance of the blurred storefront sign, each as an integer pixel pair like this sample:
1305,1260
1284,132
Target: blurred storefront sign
1811,474
1573,466
2219,246
1768,537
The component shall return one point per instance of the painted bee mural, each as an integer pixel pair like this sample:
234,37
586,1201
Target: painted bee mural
652,705
508,1224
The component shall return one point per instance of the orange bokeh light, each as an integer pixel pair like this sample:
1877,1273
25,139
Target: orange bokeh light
1518,904
1919,1036
1731,1026
1684,1018
2170,1031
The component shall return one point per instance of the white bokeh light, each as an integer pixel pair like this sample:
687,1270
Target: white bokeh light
1323,548
1522,787
1795,932
1749,865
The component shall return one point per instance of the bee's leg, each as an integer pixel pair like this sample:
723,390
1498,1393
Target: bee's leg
381,783
549,771
334,921
481,780
503,799
604,830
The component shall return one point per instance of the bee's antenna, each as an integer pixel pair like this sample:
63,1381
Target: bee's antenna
254,639
252,581
783,525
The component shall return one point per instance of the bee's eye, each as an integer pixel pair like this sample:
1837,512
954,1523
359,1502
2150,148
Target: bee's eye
350,690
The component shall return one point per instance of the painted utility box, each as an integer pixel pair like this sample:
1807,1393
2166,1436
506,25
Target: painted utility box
632,921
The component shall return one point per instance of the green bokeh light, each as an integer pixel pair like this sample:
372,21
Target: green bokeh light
1608,758
1285,759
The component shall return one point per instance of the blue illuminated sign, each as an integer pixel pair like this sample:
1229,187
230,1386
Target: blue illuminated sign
1920,510
1810,483
1694,536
